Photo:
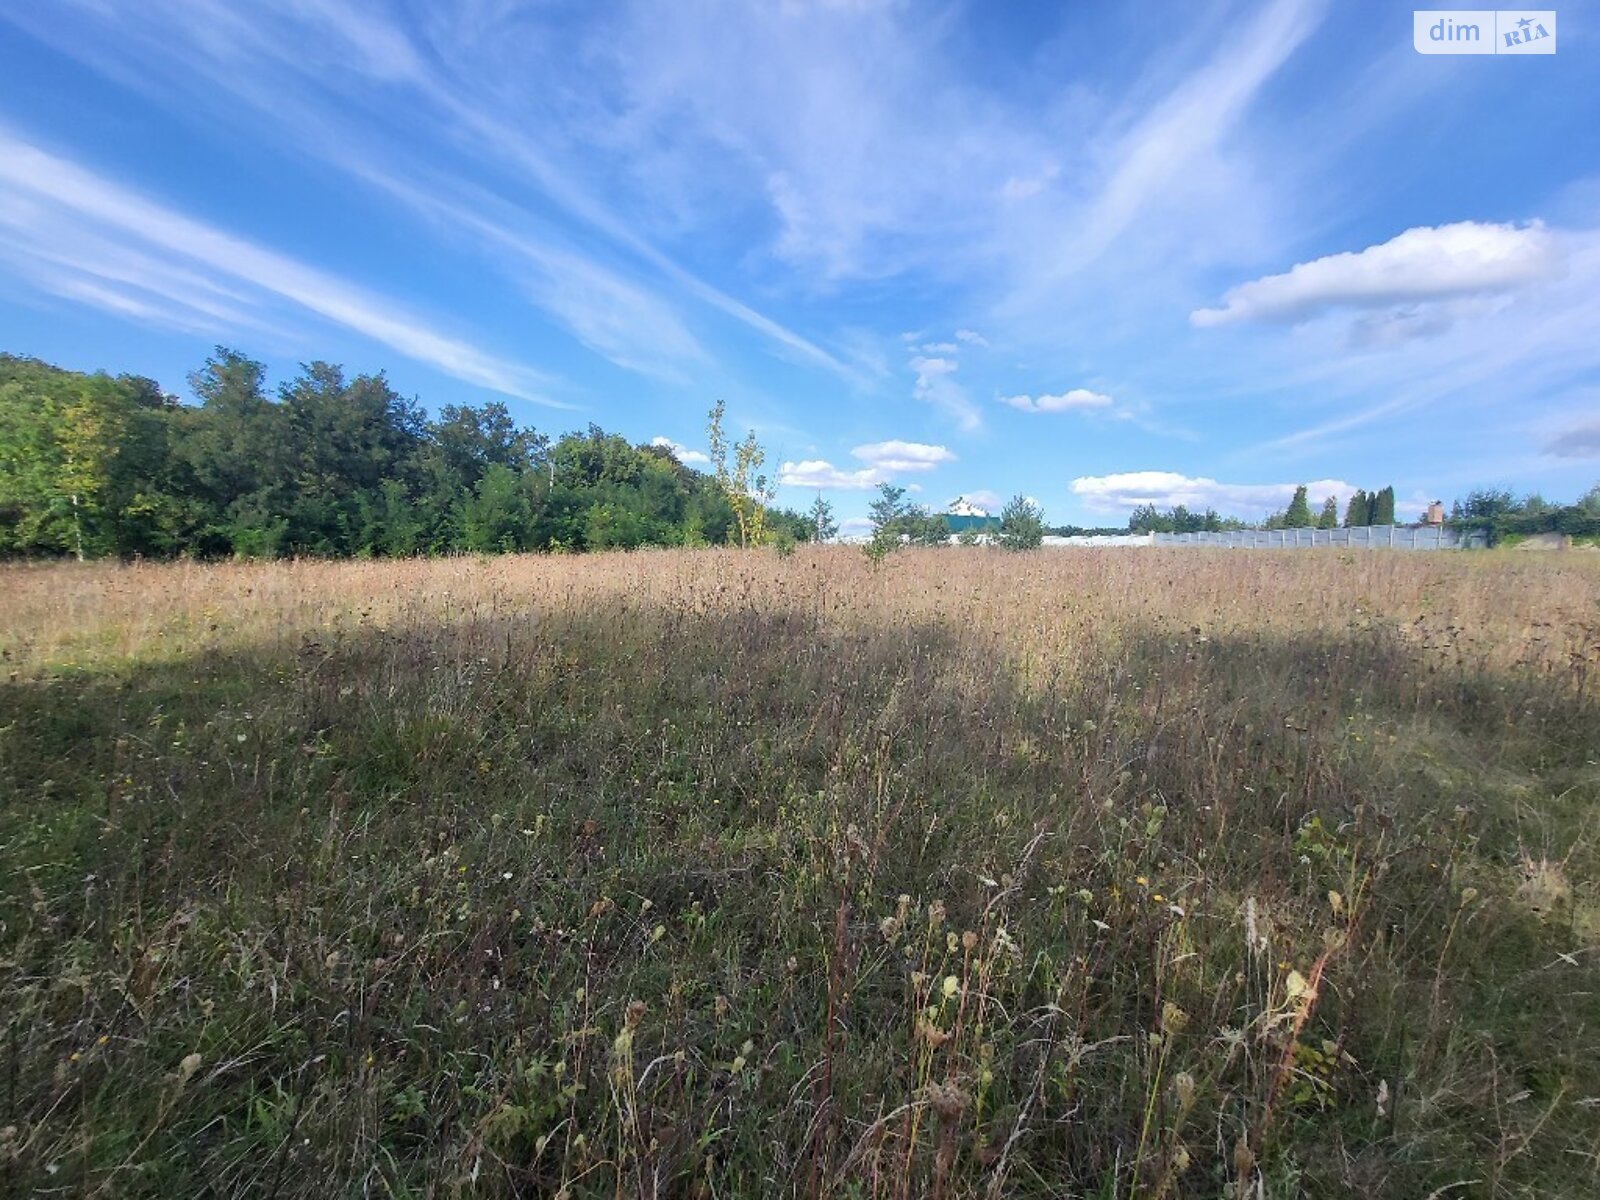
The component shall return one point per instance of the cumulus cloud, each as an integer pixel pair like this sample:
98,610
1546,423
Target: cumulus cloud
819,473
971,337
1164,489
1426,263
903,456
1578,441
883,459
682,453
1077,398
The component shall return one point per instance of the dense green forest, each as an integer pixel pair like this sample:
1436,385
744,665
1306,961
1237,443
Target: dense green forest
96,465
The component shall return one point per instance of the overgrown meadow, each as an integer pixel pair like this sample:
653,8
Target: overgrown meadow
1123,873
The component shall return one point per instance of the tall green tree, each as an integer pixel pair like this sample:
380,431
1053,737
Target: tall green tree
1329,519
1357,510
1383,507
1298,514
1021,525
746,486
820,518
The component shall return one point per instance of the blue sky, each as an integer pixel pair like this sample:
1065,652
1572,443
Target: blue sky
1093,253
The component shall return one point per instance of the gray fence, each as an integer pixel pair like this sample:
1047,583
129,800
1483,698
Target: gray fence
1397,537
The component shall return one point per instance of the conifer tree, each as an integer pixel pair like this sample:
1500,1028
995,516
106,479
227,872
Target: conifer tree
1298,515
1355,512
823,527
1383,507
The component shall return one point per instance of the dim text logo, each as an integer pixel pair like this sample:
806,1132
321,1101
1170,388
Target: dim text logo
1484,31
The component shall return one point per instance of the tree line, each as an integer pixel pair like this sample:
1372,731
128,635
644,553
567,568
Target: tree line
1363,508
97,465
1503,517
328,465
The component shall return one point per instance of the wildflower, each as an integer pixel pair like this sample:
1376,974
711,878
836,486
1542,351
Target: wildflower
1183,1090
1244,1159
952,985
1142,881
1296,985
928,1032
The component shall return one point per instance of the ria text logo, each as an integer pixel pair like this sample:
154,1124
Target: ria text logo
1484,31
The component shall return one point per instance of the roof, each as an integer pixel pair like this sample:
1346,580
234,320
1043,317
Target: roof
962,522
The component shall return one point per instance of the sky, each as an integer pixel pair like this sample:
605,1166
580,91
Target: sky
1096,254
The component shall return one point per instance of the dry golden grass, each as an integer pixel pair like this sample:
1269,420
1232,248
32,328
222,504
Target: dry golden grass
1508,610
1101,872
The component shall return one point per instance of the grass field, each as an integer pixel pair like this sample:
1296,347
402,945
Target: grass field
713,874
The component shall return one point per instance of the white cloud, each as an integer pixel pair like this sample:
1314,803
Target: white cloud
971,337
934,385
682,453
83,209
1077,398
939,348
1532,344
1022,187
1427,263
883,460
614,316
1164,489
903,456
1173,147
818,473
309,74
